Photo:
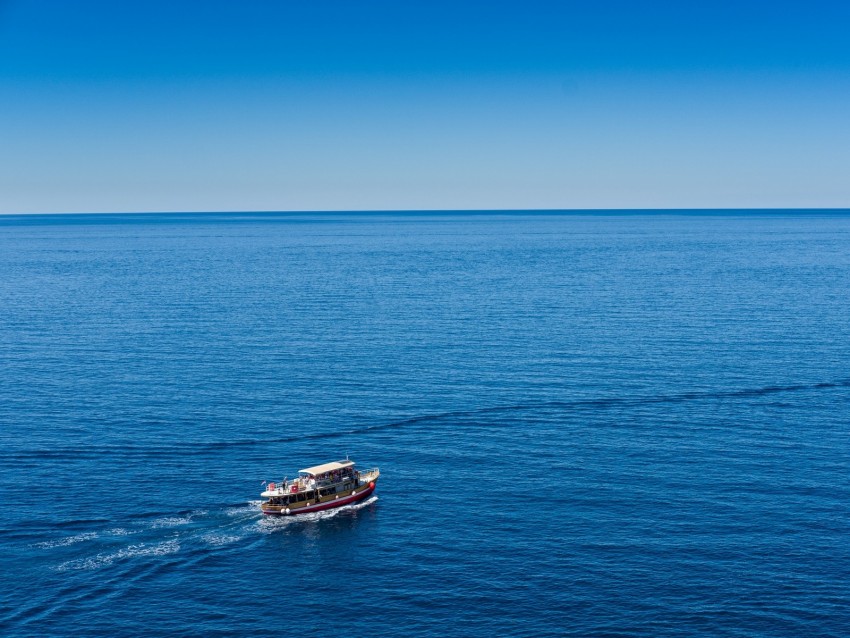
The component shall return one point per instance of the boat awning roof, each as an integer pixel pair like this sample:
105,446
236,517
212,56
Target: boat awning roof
327,467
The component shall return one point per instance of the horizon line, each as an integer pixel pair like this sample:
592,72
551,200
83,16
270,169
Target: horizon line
660,210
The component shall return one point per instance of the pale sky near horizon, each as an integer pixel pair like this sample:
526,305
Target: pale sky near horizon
346,105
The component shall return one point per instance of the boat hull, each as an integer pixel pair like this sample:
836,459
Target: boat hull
319,507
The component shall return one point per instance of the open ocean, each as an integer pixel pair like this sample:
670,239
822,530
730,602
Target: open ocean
623,424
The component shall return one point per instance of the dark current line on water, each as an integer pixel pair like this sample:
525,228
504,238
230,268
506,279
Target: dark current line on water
198,448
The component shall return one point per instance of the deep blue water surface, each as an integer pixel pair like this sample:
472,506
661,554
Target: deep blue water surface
623,425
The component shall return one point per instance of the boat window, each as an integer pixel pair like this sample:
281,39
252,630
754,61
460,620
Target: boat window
301,497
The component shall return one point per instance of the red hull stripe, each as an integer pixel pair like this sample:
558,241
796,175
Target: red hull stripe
353,498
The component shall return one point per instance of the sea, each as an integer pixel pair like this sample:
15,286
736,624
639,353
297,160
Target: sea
621,423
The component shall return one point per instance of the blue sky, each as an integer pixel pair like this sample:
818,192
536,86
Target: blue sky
323,105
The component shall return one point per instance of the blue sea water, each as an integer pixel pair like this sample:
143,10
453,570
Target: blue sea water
628,424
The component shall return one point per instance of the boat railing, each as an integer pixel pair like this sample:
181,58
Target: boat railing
368,475
285,487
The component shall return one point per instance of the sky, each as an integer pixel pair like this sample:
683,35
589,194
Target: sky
364,105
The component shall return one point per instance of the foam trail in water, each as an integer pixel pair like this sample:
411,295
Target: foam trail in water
133,551
68,540
219,540
176,521
251,508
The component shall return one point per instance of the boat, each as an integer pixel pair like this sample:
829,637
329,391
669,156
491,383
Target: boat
319,488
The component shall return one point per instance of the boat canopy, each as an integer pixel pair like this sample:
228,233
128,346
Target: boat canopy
327,467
